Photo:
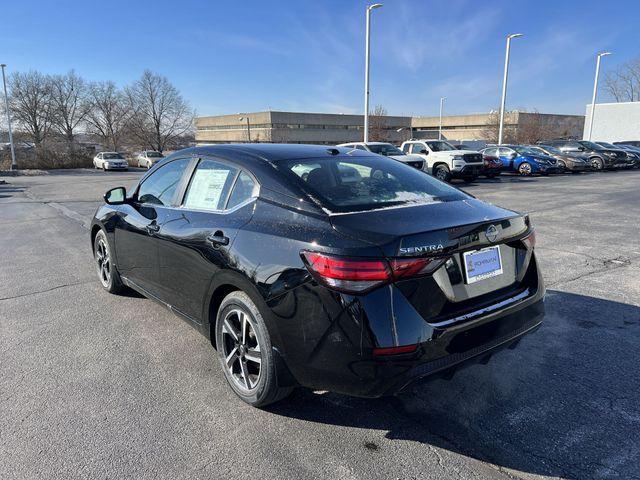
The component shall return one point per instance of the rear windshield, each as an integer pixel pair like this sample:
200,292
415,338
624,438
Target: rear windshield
385,149
154,155
347,184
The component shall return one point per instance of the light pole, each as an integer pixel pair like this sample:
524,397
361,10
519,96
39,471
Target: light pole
504,84
440,127
366,68
14,165
595,92
248,127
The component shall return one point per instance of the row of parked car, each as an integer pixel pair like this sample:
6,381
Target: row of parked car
117,161
446,161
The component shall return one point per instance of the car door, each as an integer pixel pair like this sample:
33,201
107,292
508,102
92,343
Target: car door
195,238
506,157
138,224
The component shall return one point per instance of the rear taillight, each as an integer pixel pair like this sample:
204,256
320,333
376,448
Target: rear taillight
357,275
530,240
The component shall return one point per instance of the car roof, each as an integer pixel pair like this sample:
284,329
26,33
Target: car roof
272,152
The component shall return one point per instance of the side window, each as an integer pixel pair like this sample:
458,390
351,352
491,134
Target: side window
360,147
504,152
210,185
492,152
242,190
416,148
160,187
405,148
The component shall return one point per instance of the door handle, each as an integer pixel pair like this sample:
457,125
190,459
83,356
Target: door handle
218,239
153,227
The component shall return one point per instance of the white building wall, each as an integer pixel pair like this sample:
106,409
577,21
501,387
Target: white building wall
614,122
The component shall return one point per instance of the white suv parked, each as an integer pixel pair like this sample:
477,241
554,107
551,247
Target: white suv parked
387,150
444,161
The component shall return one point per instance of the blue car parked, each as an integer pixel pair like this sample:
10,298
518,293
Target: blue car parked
523,160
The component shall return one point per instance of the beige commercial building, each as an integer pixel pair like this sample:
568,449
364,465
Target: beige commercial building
482,126
331,129
294,127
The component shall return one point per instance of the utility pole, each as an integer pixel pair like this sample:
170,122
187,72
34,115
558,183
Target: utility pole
14,165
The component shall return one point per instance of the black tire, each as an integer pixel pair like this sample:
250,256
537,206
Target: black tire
562,166
238,314
597,164
525,169
470,179
104,169
442,173
105,267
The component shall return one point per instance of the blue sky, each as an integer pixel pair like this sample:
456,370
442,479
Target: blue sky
233,56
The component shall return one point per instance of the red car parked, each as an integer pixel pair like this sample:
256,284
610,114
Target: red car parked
492,166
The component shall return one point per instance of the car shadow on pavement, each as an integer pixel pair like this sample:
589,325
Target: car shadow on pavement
565,403
6,189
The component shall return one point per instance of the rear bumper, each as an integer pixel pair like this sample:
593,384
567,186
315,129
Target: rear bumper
450,348
344,368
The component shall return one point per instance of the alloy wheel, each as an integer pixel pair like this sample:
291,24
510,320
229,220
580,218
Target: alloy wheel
241,349
524,169
103,262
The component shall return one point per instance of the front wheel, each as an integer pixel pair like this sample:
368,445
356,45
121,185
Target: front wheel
442,173
597,164
244,351
562,166
107,272
525,169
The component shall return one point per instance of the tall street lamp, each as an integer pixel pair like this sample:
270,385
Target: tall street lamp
504,84
248,127
595,92
14,165
366,68
440,127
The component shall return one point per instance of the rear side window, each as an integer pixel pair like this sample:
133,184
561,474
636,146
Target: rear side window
416,148
209,186
345,184
160,187
242,190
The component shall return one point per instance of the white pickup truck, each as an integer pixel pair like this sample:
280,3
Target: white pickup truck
444,161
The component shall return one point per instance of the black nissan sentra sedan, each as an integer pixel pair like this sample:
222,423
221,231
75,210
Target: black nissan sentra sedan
329,268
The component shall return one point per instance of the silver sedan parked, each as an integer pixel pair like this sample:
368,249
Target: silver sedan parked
148,158
110,161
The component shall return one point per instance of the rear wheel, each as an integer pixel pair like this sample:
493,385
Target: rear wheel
442,173
524,169
244,351
107,272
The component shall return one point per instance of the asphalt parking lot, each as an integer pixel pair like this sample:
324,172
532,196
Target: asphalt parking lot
98,386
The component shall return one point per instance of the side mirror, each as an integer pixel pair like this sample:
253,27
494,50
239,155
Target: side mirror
424,152
582,149
116,196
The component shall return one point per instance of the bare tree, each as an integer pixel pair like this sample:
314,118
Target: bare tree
159,113
70,104
492,127
108,114
533,127
377,124
30,104
623,84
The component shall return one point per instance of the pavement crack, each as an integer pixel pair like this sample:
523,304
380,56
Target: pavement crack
73,284
608,265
